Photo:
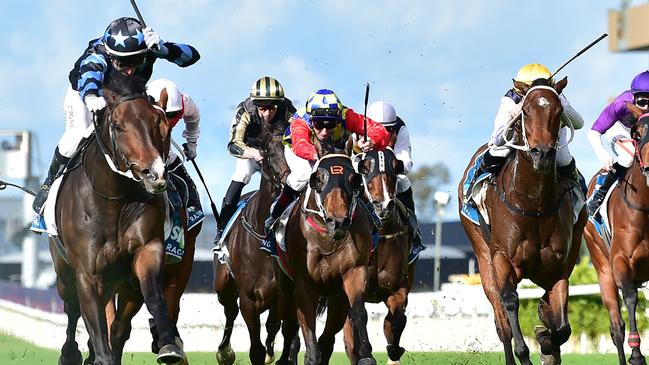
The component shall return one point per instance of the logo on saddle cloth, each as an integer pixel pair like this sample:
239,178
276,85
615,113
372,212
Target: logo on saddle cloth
173,229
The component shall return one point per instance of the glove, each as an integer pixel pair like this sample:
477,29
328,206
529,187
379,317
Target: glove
253,153
94,103
190,150
153,41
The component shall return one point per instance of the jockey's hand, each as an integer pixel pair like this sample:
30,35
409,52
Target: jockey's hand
94,103
189,149
253,153
608,165
364,145
153,41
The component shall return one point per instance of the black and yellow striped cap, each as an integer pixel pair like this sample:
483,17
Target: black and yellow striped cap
266,90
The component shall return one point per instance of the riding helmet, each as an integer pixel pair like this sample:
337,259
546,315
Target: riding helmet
266,91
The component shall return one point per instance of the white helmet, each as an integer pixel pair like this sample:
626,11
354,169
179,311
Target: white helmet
174,96
383,113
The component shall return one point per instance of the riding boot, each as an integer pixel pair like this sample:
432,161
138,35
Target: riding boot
228,207
571,172
194,201
488,163
407,200
597,199
283,200
57,166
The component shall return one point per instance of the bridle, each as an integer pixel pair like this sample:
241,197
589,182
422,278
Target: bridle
525,147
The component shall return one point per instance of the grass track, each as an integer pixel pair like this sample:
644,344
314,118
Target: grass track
14,352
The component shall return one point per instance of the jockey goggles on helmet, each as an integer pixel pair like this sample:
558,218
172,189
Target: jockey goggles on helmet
135,60
325,118
641,100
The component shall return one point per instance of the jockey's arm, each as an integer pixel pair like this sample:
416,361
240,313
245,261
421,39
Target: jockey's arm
92,71
402,148
507,111
192,118
182,55
375,131
301,140
570,117
237,145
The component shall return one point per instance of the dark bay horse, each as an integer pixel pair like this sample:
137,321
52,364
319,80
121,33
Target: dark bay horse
532,234
624,265
390,275
110,215
252,278
329,243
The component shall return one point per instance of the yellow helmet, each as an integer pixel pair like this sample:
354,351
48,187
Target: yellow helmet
266,91
532,71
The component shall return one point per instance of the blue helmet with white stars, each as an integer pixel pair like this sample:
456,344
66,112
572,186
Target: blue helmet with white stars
123,38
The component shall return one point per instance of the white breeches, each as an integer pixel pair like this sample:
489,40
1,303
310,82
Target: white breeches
77,121
300,170
244,169
619,144
563,154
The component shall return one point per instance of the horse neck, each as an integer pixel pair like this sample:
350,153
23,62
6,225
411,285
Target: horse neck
636,179
102,178
266,194
538,187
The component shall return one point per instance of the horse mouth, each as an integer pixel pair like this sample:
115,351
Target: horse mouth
156,187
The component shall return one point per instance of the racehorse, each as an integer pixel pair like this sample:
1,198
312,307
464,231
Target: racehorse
110,214
329,243
624,263
251,277
532,234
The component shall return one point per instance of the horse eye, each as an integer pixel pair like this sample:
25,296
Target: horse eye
118,128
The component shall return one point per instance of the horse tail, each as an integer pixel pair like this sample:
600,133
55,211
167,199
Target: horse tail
322,306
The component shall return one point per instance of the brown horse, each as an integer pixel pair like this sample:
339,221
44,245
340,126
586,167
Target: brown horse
532,234
251,277
624,265
329,243
110,215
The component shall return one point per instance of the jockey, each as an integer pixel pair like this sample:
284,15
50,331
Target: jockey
126,47
179,105
326,119
617,118
266,104
510,107
385,114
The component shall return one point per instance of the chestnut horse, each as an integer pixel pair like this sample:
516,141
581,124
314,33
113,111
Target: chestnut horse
110,215
533,234
251,277
624,265
329,243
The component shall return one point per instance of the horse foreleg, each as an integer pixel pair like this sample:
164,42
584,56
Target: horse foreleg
509,299
70,354
337,308
553,312
93,310
227,294
257,352
129,302
622,272
306,301
354,283
273,325
148,264
395,323
286,311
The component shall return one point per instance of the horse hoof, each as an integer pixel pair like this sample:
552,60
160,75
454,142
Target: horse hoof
391,362
367,361
269,359
76,359
225,356
171,354
553,359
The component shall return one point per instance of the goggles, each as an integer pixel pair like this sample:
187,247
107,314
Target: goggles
642,102
128,61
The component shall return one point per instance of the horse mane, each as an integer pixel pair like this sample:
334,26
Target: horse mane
123,85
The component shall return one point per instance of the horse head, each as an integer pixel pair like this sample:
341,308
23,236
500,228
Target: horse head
273,165
379,170
640,135
540,121
336,185
137,132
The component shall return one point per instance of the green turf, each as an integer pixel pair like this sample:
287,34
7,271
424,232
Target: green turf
14,351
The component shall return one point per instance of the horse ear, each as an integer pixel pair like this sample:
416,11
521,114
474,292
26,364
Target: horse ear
521,86
317,179
365,166
559,86
398,166
164,97
634,109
